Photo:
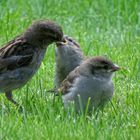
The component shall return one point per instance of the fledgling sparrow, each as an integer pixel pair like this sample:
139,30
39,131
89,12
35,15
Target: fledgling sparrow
68,57
91,81
21,57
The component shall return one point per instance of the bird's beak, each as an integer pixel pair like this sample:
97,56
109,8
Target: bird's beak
115,68
63,42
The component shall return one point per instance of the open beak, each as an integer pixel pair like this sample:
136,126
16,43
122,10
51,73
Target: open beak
62,42
115,68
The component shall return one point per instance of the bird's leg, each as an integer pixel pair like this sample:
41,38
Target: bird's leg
9,96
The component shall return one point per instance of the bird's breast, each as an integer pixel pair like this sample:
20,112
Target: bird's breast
90,87
37,59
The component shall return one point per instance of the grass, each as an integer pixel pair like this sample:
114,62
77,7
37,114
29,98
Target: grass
102,27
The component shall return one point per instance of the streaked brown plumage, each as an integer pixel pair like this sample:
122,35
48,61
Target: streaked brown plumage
21,57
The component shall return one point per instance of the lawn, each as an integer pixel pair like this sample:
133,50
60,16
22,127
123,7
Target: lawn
102,27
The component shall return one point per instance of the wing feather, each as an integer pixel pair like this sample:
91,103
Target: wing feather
17,53
68,82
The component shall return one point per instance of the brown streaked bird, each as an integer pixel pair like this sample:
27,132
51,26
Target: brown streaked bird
21,57
68,57
90,83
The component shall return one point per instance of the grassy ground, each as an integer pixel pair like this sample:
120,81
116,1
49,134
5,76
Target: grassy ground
103,27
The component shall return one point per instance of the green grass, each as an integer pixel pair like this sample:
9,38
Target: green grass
102,27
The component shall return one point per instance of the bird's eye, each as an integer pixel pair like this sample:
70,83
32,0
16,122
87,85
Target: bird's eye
98,67
105,67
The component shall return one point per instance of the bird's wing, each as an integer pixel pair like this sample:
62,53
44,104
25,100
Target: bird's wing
17,53
14,62
68,82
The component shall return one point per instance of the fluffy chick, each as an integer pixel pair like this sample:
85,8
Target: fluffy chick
90,83
68,57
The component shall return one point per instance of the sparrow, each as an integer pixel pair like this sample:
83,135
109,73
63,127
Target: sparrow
89,85
68,56
21,57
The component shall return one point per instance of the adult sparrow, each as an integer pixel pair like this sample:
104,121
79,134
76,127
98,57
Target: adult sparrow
89,84
68,57
21,57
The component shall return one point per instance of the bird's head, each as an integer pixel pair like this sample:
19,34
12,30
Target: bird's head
68,45
101,67
44,33
67,42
